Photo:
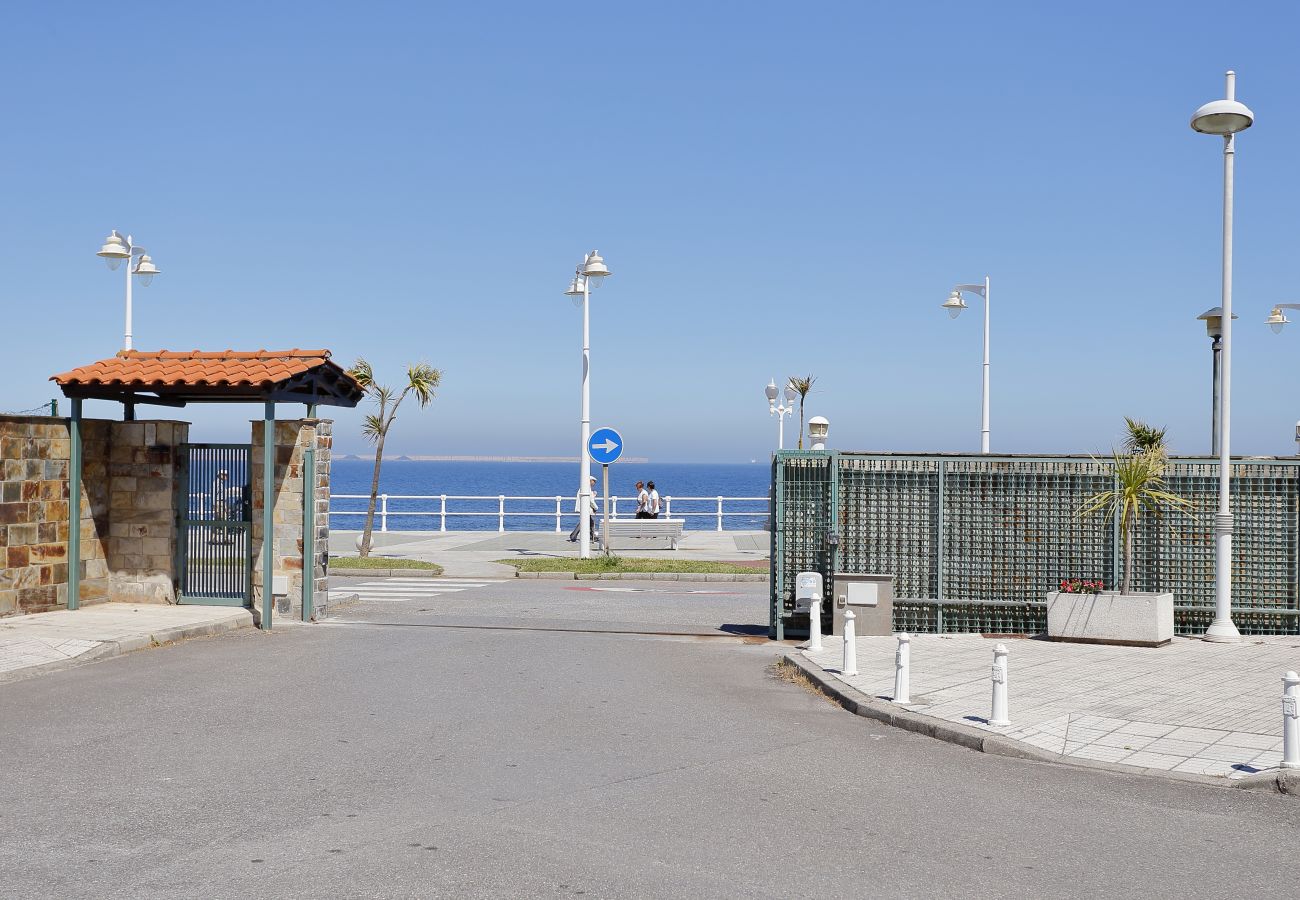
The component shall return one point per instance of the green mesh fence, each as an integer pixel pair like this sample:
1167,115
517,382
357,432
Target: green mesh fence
992,535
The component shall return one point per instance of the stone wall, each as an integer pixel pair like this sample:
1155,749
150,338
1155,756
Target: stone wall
143,481
126,519
293,438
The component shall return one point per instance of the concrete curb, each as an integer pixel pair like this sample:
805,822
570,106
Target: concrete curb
109,649
343,572
1284,782
644,576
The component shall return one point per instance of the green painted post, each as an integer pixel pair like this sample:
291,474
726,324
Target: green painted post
74,505
268,514
54,408
309,523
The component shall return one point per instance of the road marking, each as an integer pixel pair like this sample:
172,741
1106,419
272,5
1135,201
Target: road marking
393,590
627,590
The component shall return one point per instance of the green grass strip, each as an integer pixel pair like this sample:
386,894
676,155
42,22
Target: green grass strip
633,564
382,562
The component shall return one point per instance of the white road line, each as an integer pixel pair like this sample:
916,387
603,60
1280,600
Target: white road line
419,587
432,580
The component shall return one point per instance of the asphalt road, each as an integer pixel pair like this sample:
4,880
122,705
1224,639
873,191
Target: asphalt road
395,757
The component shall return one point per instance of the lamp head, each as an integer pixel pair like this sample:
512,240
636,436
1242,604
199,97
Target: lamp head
1222,117
954,304
770,391
145,269
790,394
818,428
594,268
1276,319
575,288
1213,319
114,250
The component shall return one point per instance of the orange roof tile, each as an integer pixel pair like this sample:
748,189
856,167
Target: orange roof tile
195,368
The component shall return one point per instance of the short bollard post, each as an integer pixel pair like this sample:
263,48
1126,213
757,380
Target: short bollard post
999,716
1290,721
815,625
902,677
850,666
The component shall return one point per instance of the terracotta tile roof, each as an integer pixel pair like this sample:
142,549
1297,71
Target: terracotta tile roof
163,369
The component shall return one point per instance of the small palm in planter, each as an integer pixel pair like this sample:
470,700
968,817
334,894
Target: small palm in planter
1124,617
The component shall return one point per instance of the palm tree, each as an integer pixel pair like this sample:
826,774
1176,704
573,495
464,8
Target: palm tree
421,380
1139,488
803,386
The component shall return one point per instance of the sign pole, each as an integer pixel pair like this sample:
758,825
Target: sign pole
604,530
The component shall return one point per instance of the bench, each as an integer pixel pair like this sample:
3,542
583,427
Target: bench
630,534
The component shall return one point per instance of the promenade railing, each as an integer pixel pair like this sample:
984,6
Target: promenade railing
405,507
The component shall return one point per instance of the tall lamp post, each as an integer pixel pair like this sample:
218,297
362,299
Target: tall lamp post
1224,118
1213,319
117,248
955,304
780,410
588,276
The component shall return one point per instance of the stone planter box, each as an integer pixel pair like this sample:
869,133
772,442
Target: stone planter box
1137,620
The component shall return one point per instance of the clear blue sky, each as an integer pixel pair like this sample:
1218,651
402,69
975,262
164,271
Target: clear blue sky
779,189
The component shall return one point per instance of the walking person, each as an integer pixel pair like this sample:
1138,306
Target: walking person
577,507
653,506
642,501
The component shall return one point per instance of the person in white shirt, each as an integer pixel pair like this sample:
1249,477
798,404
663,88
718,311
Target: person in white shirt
642,501
653,507
577,507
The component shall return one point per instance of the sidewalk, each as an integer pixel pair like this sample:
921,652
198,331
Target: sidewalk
470,554
1190,707
31,643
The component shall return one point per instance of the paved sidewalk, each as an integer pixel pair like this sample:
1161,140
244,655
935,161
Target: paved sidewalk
1190,707
31,643
470,554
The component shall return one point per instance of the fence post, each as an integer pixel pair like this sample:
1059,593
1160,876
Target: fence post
815,625
668,507
902,670
557,515
501,512
383,512
719,513
613,509
1290,722
442,514
999,715
850,666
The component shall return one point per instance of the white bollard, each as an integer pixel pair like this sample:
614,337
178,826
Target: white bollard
999,716
815,625
902,675
1290,721
850,666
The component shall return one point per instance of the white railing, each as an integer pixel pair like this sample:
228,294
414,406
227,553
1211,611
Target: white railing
563,508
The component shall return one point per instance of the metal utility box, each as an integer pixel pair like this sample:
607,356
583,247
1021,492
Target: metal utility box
871,597
807,588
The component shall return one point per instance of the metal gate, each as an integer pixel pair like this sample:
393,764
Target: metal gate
215,518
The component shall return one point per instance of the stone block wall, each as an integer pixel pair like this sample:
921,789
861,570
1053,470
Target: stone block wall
293,438
126,519
143,482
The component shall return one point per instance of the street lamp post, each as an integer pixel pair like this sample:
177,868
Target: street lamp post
1213,319
588,276
1225,118
780,410
955,304
1276,320
117,248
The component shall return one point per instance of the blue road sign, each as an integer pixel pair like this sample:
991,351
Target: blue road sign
605,446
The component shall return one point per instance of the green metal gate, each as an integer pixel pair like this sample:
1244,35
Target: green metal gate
214,514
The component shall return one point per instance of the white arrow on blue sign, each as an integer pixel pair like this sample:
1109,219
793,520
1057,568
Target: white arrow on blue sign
605,446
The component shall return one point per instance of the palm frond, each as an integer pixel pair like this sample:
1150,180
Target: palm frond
423,380
803,385
372,427
1144,438
363,373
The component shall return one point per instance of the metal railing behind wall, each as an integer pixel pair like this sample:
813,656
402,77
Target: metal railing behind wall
976,542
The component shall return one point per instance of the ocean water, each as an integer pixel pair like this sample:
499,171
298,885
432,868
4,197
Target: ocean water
352,476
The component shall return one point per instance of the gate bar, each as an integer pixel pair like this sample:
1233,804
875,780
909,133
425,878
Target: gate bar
309,521
74,505
268,516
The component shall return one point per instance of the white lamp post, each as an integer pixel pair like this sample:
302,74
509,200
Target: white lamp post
1213,319
1224,117
818,429
586,279
780,410
955,304
1276,320
117,248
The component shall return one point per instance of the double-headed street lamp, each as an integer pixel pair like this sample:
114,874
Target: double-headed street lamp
955,304
1225,118
780,410
117,248
588,276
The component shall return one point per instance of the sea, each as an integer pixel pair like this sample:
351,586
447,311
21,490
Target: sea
542,479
